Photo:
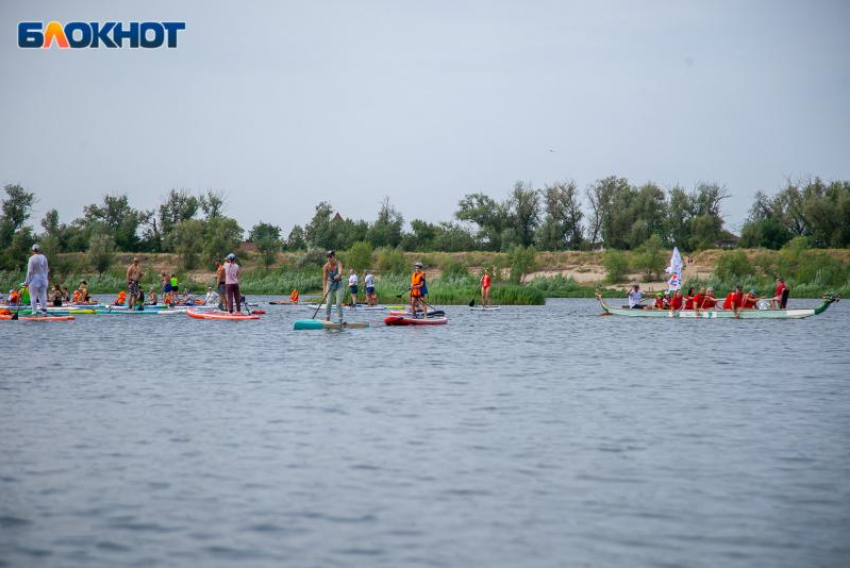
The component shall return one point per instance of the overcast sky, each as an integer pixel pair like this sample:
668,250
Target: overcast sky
283,104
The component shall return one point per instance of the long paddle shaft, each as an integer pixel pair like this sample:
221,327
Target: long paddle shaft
330,284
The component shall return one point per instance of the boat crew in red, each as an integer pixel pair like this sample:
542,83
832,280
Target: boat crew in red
708,301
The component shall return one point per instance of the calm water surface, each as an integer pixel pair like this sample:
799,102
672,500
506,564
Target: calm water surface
528,437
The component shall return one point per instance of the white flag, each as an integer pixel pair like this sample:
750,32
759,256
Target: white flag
675,271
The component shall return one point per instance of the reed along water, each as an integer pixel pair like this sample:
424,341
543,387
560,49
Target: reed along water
531,436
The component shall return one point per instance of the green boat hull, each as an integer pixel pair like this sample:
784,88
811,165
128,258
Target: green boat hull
719,314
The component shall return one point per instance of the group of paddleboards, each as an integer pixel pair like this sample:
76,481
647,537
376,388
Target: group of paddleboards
213,307
418,312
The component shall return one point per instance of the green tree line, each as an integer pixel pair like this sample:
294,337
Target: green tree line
611,213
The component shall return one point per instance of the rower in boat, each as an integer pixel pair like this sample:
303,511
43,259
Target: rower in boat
659,302
677,302
780,296
750,301
734,301
690,299
635,297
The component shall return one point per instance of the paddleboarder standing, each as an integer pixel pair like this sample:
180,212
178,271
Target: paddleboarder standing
231,284
485,289
417,283
219,284
134,275
36,281
331,279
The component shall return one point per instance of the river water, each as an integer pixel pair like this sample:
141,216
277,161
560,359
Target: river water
533,436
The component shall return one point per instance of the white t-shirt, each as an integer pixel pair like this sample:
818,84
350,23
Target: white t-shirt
352,280
635,296
370,280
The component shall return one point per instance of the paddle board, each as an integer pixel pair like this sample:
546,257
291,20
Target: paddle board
220,316
485,308
321,324
38,318
407,320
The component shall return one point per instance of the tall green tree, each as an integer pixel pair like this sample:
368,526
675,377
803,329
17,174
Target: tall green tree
267,239
524,214
491,218
386,231
101,252
561,227
16,210
119,217
179,206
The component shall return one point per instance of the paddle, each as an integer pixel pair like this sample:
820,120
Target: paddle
330,284
472,303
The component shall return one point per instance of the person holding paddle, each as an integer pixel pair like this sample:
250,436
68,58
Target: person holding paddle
36,280
231,284
485,289
331,280
417,283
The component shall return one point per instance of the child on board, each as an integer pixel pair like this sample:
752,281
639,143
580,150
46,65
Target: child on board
417,282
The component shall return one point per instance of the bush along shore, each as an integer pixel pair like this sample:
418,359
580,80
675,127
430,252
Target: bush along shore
520,277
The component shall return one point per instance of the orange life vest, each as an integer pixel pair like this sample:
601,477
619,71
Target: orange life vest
416,283
293,297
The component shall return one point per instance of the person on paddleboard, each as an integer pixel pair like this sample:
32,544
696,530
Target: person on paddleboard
134,276
36,280
417,283
485,289
369,282
231,284
353,287
331,280
220,284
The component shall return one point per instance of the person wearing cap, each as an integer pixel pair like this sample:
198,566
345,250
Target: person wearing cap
417,283
212,298
36,280
231,284
659,302
750,300
635,297
134,276
331,279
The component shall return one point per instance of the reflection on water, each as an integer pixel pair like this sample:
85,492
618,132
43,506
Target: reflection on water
530,436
